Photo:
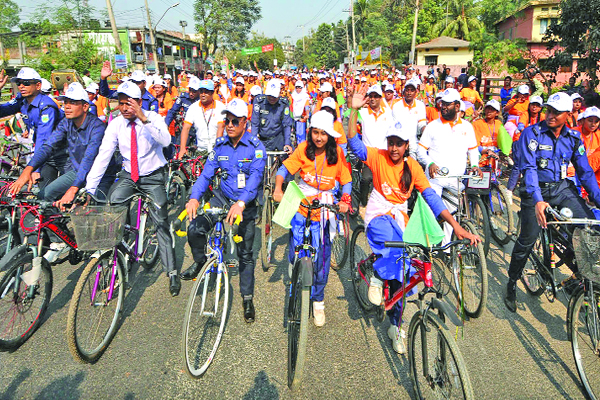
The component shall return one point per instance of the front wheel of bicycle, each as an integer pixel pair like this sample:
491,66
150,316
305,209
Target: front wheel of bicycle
297,327
361,267
96,307
176,191
437,367
205,318
266,231
339,245
479,216
584,321
501,216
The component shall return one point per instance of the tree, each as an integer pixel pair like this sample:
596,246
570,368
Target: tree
9,15
462,21
323,48
493,56
224,22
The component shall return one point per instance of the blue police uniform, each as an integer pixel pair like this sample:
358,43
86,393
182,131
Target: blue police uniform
543,162
272,123
242,170
149,102
183,102
93,109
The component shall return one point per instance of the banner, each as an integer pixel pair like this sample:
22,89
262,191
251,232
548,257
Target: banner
267,48
120,61
257,50
375,53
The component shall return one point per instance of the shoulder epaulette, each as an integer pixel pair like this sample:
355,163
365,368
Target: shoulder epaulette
255,140
220,141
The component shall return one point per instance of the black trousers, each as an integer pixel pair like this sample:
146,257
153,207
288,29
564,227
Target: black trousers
561,195
153,186
201,226
366,184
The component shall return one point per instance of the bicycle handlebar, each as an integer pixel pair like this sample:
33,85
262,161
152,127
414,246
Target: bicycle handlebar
276,153
404,245
316,204
564,220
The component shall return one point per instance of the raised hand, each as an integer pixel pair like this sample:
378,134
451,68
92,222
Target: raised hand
357,100
106,70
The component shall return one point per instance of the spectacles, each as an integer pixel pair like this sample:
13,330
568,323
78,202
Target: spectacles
234,121
205,91
26,82
374,96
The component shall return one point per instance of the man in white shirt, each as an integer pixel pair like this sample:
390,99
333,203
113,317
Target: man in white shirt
206,117
411,113
140,136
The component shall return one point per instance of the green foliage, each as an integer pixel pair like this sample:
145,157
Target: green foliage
462,21
9,15
264,61
493,56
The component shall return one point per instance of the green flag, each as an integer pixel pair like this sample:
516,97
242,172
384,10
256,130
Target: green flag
504,141
422,226
289,205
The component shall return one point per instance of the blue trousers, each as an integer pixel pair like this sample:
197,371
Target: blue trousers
300,132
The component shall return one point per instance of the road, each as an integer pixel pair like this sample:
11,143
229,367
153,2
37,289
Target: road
509,356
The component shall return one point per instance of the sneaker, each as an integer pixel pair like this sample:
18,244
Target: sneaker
319,313
397,339
375,291
510,300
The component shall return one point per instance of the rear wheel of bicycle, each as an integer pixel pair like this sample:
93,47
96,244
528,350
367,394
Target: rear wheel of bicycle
584,326
445,375
480,218
501,216
532,276
205,318
176,191
22,307
149,255
297,326
359,252
266,231
339,245
93,317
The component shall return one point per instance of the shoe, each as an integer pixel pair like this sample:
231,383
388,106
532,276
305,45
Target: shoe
509,197
375,291
510,300
249,313
397,339
191,272
319,313
174,284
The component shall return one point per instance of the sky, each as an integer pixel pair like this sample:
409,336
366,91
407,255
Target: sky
280,18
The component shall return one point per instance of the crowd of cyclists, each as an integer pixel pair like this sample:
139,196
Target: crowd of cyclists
403,128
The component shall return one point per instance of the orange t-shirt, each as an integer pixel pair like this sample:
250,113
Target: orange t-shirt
519,108
165,105
594,160
322,177
339,128
101,104
431,114
486,134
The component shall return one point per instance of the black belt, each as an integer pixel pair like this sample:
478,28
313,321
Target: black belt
546,185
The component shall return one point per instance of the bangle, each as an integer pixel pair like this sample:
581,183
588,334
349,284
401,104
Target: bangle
346,199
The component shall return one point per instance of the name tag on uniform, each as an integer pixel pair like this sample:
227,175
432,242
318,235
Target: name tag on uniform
563,171
223,158
241,180
545,147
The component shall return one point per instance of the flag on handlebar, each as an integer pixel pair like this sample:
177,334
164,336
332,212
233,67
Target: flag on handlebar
504,141
422,226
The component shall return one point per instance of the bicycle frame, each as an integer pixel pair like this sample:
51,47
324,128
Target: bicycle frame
215,246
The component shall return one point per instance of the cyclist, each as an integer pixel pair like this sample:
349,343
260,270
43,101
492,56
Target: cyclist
149,102
300,110
241,157
321,164
271,120
577,105
394,177
546,149
487,129
140,136
433,113
471,97
182,105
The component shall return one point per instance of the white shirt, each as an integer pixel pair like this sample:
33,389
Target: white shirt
411,118
151,138
447,144
375,126
206,122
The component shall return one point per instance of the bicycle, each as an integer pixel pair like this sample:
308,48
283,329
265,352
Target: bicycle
339,244
498,208
181,176
97,301
436,363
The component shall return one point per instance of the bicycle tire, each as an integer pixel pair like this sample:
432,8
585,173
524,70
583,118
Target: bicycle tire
479,216
100,269
584,335
176,191
207,288
266,231
531,277
446,350
339,245
360,251
474,271
150,249
501,218
15,308
297,327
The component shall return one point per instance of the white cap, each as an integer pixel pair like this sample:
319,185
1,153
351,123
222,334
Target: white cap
76,92
299,84
215,78
326,87
402,77
160,82
373,72
324,120
414,82
396,129
463,106
591,112
363,79
574,96
375,89
194,83
523,89
329,102
273,89
536,99
388,86
92,88
338,79
167,76
27,73
137,76
240,80
449,79
494,104
472,78
130,89
46,86
390,76
210,72
237,107
256,90
561,102
450,95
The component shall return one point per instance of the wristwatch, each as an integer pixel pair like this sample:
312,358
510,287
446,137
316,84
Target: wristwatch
241,204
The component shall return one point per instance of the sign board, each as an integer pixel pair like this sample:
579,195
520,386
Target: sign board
267,47
251,50
210,60
120,61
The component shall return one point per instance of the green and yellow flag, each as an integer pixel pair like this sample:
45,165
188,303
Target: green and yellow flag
422,226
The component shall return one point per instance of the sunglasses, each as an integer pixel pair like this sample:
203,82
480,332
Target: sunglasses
374,96
26,82
235,122
205,91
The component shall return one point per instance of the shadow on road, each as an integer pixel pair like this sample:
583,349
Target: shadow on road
263,389
65,388
11,389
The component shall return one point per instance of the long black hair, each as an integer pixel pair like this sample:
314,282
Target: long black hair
330,149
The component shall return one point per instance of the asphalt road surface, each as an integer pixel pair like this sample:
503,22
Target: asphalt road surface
509,356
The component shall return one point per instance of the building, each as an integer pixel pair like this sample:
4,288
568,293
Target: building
454,53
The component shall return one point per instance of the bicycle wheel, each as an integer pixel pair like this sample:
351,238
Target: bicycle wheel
584,323
297,327
149,252
359,264
479,216
501,218
93,317
266,233
532,276
176,191
339,245
437,368
22,306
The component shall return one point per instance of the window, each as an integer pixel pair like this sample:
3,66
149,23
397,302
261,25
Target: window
545,9
502,36
431,60
555,8
510,34
545,23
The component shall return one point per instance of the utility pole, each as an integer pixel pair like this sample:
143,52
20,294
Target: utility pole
411,58
152,39
113,25
183,24
303,46
353,34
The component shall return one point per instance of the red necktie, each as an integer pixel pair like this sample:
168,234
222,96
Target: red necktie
135,172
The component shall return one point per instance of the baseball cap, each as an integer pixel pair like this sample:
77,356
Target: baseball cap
215,78
240,80
471,78
449,79
574,96
396,129
591,112
160,82
210,72
494,104
194,83
561,102
414,82
129,89
536,99
27,73
237,107
167,76
402,77
324,120
338,79
375,89
299,84
46,86
439,95
326,87
256,90
363,79
76,92
388,87
207,84
373,72
523,89
328,102
138,76
92,88
273,89
463,106
450,96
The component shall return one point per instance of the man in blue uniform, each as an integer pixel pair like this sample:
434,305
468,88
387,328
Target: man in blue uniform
41,115
179,109
271,120
546,149
241,157
149,102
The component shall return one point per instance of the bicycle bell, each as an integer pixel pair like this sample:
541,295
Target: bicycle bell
566,212
443,171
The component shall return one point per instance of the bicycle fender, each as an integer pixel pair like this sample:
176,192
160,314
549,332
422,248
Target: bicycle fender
445,308
306,268
14,252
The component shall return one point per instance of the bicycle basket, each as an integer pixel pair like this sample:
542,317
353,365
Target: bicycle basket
586,244
98,227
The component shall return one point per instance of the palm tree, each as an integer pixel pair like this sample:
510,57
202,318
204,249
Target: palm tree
462,21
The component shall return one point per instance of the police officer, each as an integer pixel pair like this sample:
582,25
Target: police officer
180,108
41,115
546,149
271,120
241,158
149,102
